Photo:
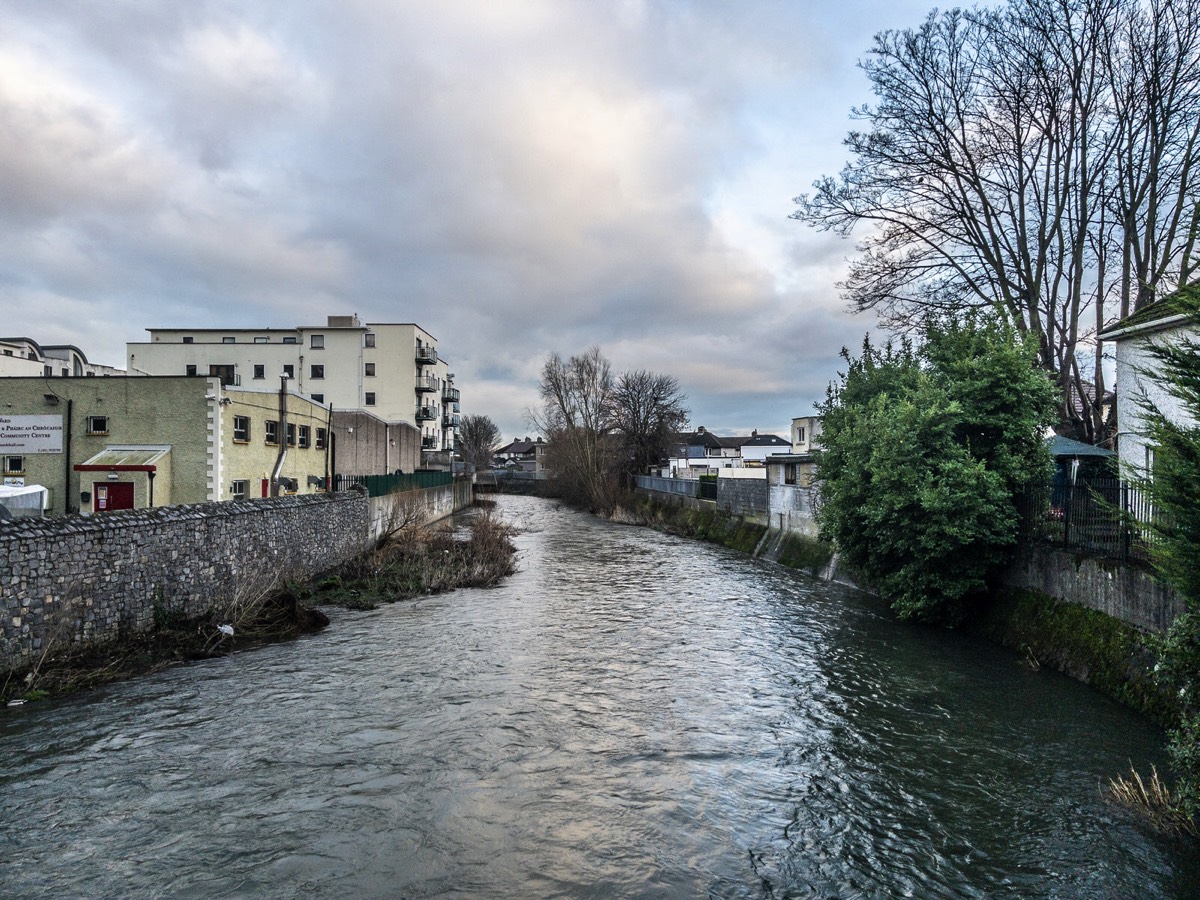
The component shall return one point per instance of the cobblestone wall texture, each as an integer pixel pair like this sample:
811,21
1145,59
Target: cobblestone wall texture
743,497
75,580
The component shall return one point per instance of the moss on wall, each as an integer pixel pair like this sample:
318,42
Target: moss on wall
1086,644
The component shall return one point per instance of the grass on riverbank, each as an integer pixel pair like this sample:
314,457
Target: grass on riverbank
253,616
416,561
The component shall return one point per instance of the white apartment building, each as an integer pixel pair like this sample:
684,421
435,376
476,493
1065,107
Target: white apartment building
22,357
391,370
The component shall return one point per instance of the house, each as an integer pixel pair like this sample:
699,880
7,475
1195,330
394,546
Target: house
758,447
702,453
104,444
1163,321
392,370
523,456
25,357
806,434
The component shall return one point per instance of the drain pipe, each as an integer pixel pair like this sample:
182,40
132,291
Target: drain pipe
281,434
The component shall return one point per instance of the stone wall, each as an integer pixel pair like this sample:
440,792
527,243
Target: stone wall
1125,592
87,579
791,509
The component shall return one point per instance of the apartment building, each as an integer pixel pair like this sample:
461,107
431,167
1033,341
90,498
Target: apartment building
22,357
392,370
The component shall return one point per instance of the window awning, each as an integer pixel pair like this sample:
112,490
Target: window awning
125,459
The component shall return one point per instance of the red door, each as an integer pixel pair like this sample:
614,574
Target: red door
110,495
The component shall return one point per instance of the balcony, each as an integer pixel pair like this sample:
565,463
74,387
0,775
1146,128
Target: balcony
450,395
426,413
426,353
429,442
427,385
449,421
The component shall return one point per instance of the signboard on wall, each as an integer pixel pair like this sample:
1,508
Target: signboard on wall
22,435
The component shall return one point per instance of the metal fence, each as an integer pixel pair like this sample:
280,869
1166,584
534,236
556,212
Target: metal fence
685,487
380,485
1098,516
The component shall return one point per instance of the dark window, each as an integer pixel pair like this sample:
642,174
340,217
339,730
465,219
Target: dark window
369,369
239,489
190,370
317,371
302,439
14,465
260,371
292,339
318,342
48,371
188,340
228,340
271,431
318,398
289,370
321,438
66,372
241,428
97,424
224,372
370,398
291,434
368,340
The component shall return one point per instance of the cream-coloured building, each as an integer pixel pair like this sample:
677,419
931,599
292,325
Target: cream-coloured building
392,370
103,444
25,357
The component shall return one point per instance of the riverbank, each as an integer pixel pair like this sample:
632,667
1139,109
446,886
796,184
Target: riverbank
414,561
1090,646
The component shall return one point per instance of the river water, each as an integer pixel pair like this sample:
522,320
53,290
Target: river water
631,715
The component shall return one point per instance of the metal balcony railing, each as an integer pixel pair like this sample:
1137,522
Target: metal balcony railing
426,413
427,385
449,421
429,443
426,353
450,395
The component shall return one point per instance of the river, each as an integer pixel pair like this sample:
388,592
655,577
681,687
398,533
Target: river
630,715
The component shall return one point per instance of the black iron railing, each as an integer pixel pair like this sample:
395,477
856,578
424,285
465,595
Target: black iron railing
1097,516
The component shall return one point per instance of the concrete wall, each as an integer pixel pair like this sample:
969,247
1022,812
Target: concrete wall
425,506
791,509
743,497
1124,592
367,445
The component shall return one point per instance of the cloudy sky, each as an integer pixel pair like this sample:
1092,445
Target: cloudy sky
516,176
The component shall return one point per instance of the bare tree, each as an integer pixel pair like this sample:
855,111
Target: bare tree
1038,159
576,416
648,410
478,437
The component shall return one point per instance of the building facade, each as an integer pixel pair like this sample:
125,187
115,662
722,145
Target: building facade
391,370
22,357
105,444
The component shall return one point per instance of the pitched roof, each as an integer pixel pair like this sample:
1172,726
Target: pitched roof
1170,310
1061,446
766,440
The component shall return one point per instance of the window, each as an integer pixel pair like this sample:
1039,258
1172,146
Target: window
370,398
66,372
368,340
289,370
799,434
188,340
317,342
316,372
369,370
262,340
318,398
241,429
303,439
322,438
291,339
291,434
271,431
97,424
14,465
227,374
228,340
190,370
48,371
260,371
239,489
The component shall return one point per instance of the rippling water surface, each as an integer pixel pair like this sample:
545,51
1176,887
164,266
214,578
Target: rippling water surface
631,715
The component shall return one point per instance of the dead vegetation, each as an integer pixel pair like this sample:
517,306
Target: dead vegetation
1154,801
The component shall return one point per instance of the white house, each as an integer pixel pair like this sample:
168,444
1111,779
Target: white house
806,434
1163,321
